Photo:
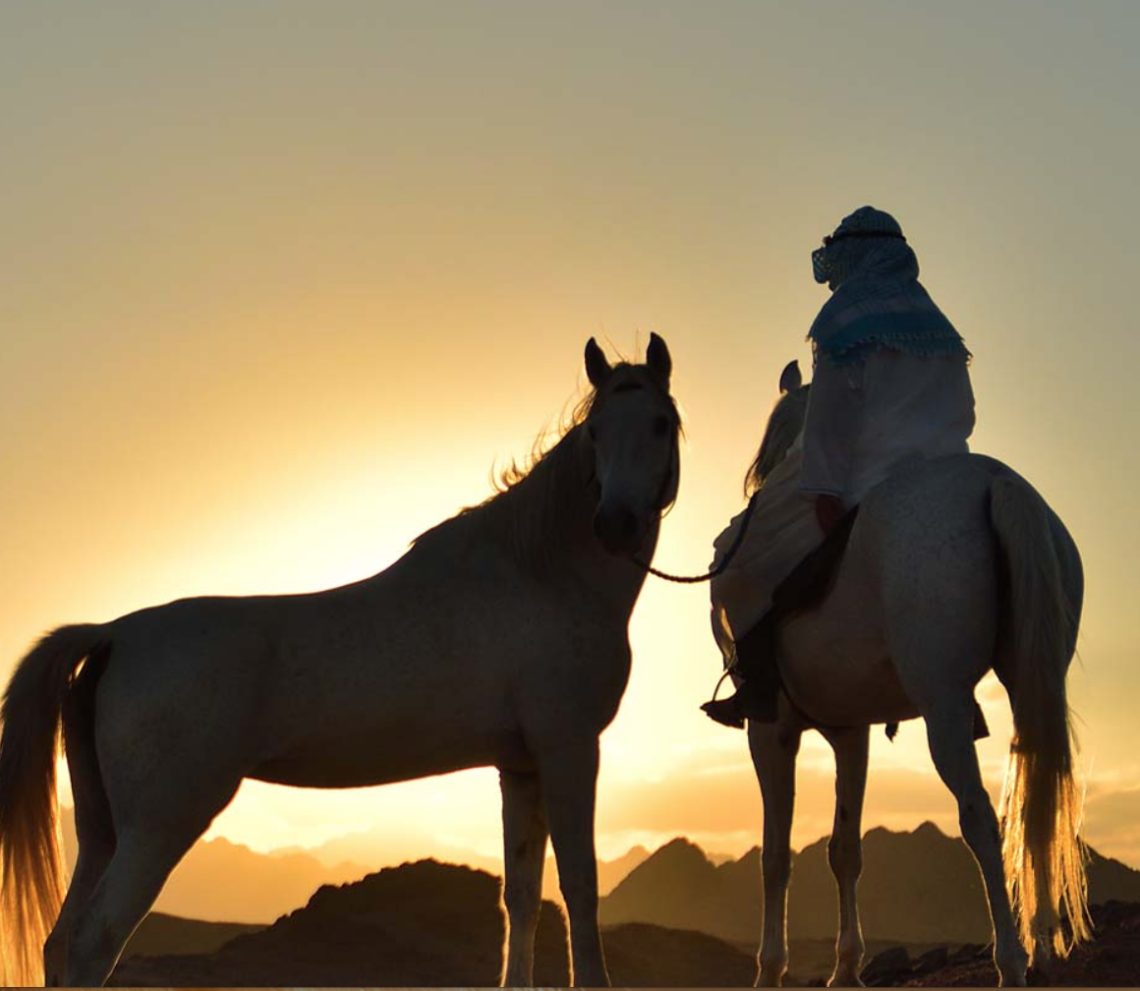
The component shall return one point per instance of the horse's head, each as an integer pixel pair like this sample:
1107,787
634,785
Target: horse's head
784,425
631,432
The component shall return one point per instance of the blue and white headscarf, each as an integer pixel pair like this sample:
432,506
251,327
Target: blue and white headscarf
877,301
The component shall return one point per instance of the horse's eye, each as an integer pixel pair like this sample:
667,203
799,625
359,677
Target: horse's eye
661,426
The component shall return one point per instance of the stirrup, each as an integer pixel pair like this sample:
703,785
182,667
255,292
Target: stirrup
725,711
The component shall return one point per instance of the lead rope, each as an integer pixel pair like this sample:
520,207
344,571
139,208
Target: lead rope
718,568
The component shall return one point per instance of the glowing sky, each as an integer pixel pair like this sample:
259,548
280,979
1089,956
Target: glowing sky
282,282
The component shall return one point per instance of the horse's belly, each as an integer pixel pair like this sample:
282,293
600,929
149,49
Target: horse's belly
841,680
349,759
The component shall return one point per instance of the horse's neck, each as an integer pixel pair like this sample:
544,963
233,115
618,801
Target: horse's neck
547,522
616,579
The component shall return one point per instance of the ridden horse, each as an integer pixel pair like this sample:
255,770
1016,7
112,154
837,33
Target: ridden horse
500,639
953,566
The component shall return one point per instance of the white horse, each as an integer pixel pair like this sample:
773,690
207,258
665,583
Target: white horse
953,566
500,639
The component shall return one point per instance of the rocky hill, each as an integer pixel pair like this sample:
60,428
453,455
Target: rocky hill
428,924
416,925
160,934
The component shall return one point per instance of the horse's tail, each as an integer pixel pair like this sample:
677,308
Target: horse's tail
31,871
1041,805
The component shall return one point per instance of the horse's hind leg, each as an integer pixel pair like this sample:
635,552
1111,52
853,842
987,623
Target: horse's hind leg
148,848
845,849
94,856
524,853
949,730
142,861
94,827
774,747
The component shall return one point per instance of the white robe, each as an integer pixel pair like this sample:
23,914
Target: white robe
863,420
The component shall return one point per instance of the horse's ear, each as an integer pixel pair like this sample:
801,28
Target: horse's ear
597,368
658,359
790,377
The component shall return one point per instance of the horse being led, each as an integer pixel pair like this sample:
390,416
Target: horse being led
953,566
499,639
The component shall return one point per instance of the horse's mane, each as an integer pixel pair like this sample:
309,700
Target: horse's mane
532,512
784,425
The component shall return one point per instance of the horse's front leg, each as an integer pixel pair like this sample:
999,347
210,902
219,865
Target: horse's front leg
845,849
569,777
524,853
774,747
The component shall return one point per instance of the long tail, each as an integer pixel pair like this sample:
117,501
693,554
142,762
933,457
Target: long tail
1041,804
31,871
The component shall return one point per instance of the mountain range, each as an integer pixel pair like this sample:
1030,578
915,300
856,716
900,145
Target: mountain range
427,923
917,887
269,885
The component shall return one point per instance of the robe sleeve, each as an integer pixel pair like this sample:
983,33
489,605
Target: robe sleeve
832,428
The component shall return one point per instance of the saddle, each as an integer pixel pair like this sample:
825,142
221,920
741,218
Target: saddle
804,589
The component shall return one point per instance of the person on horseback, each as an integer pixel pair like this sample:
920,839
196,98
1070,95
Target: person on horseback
890,383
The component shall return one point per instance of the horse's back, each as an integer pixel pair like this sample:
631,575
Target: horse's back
918,592
940,510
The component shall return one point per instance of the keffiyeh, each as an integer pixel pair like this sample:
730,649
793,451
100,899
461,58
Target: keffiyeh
878,302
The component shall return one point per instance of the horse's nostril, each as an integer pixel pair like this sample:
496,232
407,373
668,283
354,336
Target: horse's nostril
617,528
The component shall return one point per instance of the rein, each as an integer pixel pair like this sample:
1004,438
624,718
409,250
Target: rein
717,568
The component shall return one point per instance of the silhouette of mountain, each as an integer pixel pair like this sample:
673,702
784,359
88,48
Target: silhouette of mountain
223,881
219,880
427,924
419,924
1110,880
640,955
610,872
160,933
361,847
918,887
433,924
678,887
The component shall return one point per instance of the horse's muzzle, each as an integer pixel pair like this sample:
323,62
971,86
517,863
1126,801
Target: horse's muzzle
619,529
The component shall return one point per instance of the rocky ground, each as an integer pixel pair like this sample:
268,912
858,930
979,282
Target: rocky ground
1112,959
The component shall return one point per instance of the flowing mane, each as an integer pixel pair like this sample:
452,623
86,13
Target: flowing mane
784,426
538,506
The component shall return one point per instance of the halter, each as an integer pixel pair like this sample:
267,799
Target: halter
661,502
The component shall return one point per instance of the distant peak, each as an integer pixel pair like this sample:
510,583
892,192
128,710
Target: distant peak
681,847
677,854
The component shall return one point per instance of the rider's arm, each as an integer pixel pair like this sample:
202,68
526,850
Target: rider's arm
832,428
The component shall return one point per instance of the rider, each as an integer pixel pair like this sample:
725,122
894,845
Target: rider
890,382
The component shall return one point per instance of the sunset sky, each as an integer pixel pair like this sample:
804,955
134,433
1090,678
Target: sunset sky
283,283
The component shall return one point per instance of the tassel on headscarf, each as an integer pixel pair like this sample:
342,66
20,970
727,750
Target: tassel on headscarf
877,302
